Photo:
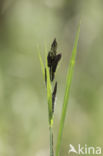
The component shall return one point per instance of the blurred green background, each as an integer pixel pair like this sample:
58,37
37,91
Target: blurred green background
25,24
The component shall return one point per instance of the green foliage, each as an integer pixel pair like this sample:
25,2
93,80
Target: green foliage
49,99
42,65
66,95
49,88
67,91
49,96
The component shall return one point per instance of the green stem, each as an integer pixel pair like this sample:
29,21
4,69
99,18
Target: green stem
51,141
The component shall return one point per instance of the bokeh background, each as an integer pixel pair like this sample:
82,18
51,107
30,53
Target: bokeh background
25,25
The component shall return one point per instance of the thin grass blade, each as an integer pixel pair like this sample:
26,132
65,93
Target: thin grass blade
49,98
67,91
49,92
42,65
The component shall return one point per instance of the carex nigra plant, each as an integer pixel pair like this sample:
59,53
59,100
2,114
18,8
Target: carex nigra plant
49,71
52,61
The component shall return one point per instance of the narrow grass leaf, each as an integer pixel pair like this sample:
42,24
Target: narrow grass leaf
42,65
67,91
49,92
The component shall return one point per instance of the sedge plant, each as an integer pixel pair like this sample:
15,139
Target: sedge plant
49,71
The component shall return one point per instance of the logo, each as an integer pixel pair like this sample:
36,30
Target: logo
85,149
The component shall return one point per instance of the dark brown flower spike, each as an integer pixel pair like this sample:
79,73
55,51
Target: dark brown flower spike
53,97
53,59
45,77
54,47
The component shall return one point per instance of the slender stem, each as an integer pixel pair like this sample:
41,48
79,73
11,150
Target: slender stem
51,141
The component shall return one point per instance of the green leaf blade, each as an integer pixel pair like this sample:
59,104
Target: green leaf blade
67,91
49,95
42,65
49,92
